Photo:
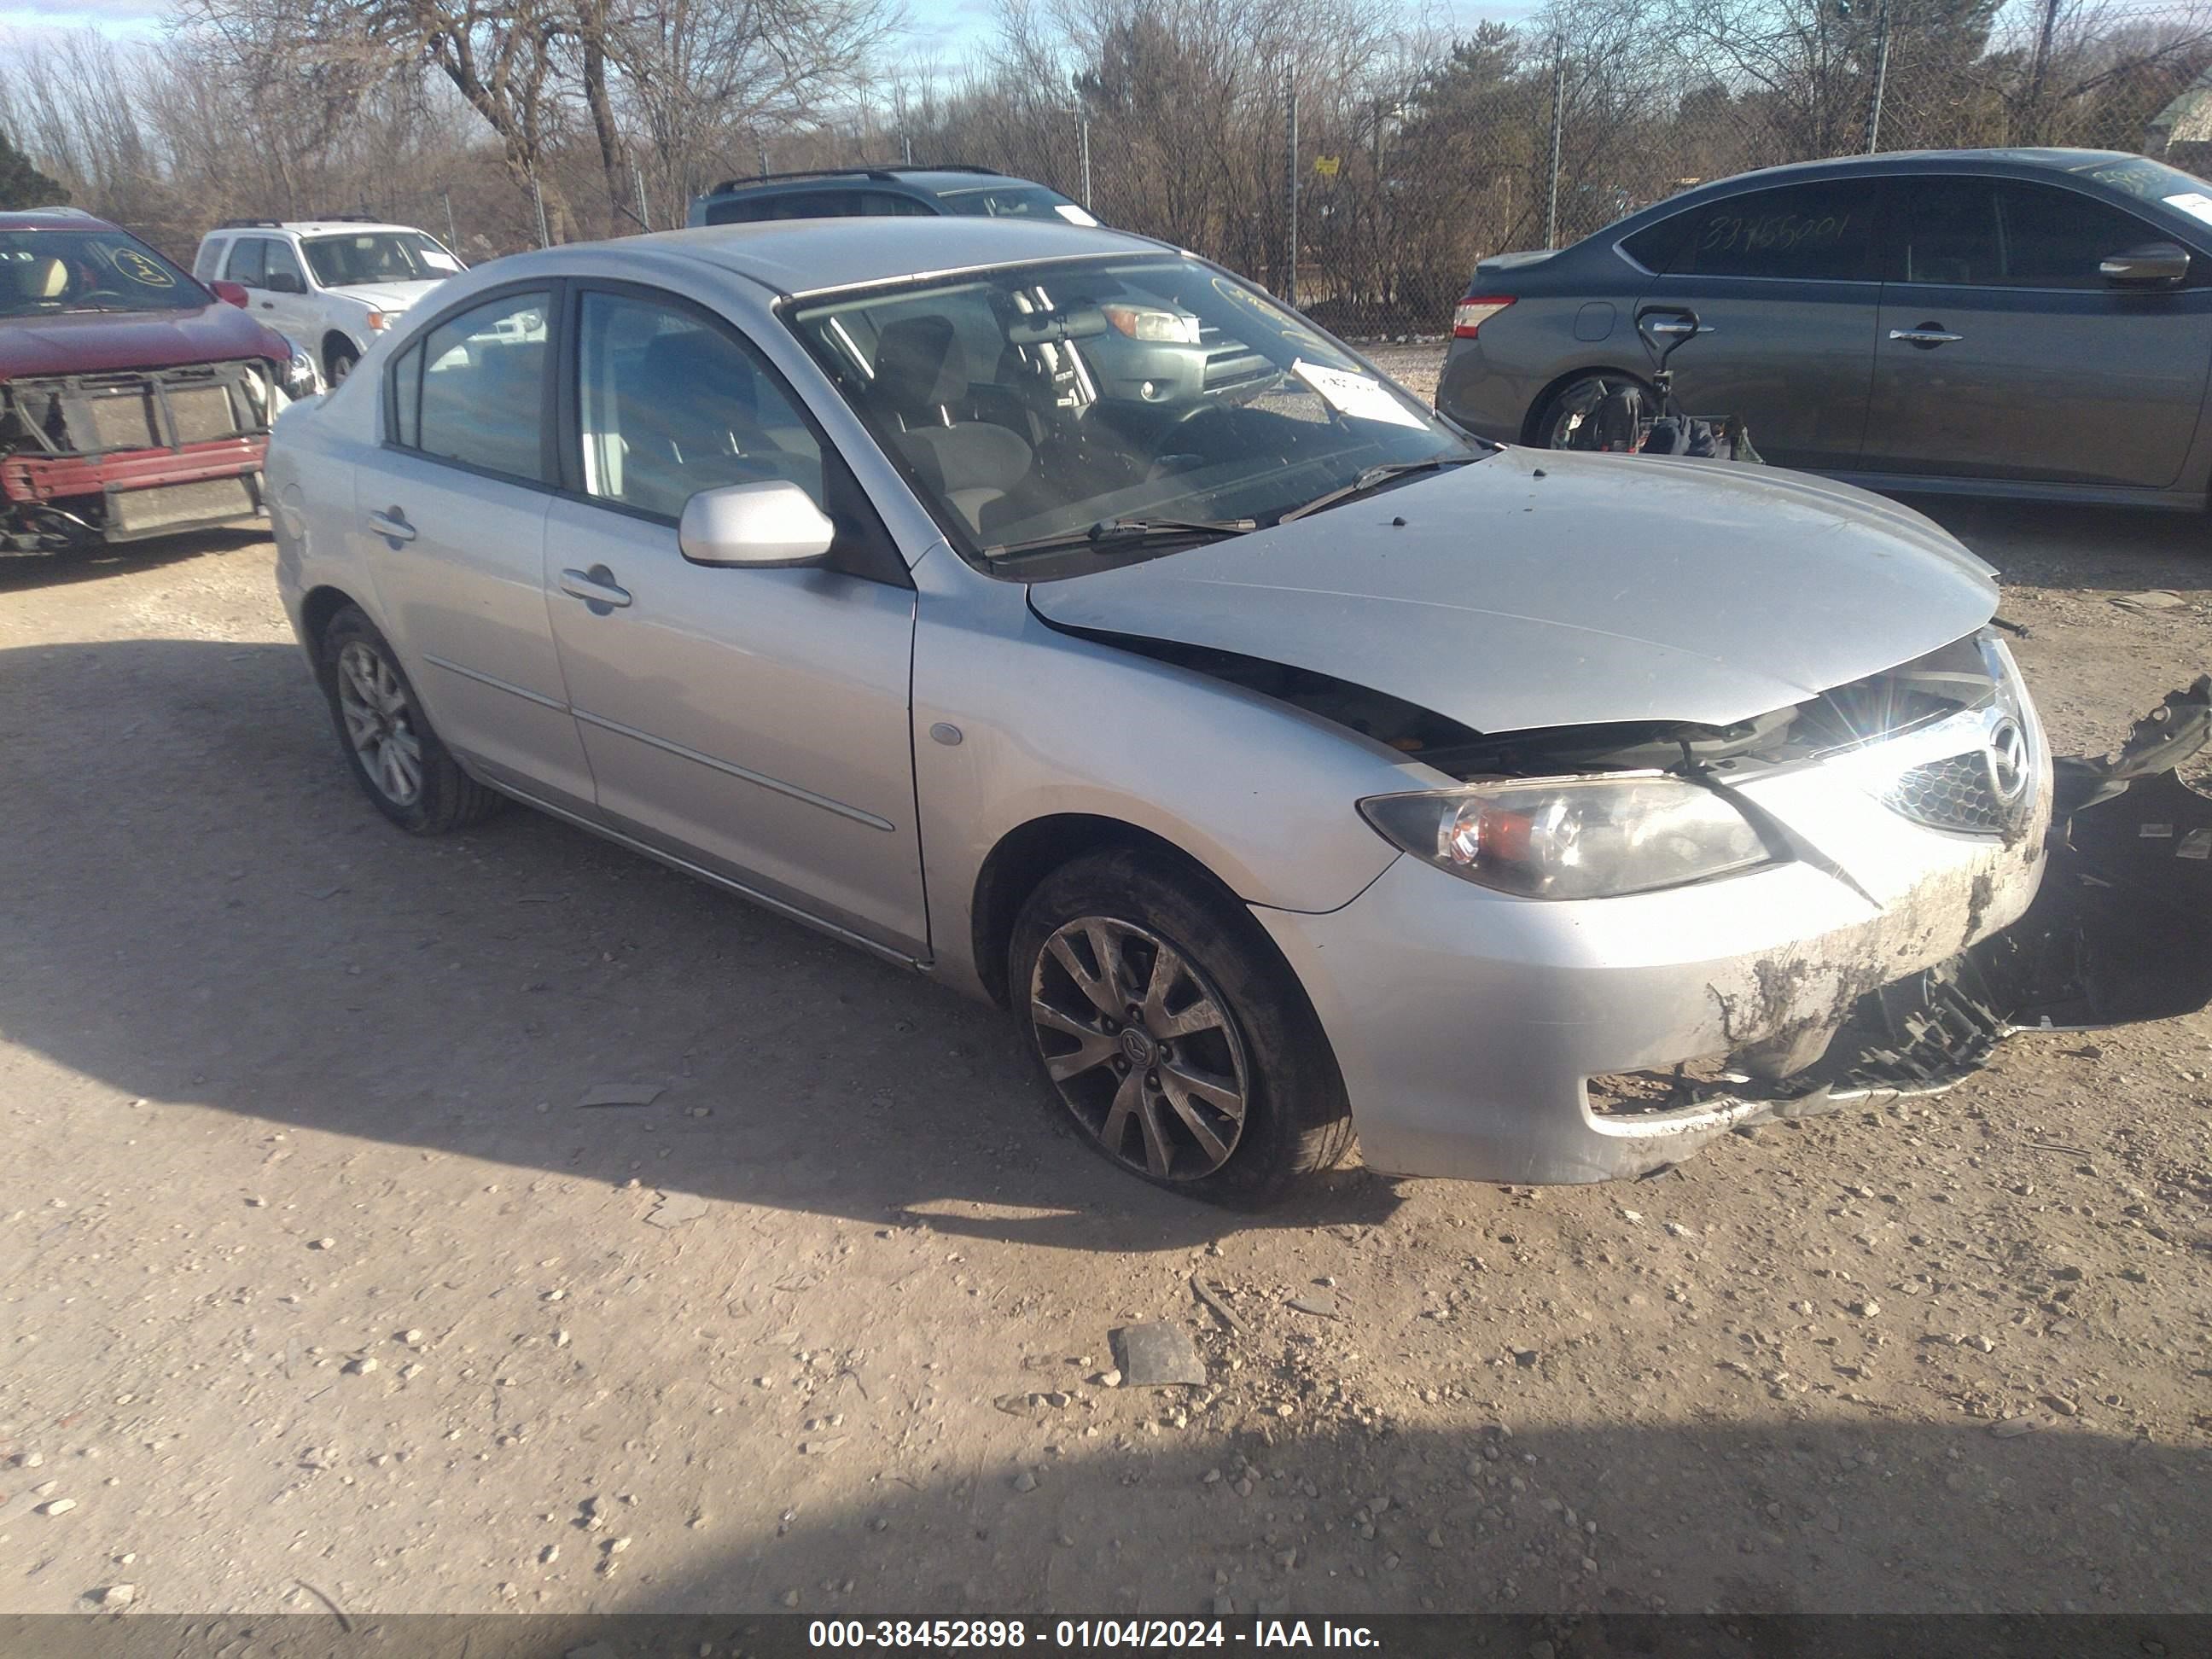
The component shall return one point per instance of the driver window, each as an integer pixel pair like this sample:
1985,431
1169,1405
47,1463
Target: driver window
246,266
671,404
279,261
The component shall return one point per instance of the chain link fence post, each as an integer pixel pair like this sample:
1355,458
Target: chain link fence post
1880,77
1083,139
1291,187
1558,125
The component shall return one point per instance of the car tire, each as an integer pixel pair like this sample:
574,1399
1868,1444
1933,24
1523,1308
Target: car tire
1216,1080
1581,394
397,759
338,361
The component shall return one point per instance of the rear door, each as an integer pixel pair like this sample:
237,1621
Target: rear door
2004,355
1783,282
451,518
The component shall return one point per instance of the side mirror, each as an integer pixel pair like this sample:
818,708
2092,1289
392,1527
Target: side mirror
284,282
231,293
766,526
2159,264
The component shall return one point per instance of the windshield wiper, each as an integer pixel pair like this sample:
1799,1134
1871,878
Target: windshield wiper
1115,533
1373,476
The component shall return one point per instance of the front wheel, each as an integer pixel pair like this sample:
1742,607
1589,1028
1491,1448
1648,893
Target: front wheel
1565,422
1175,1034
338,361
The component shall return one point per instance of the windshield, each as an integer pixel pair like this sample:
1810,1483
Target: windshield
1040,401
1013,202
378,256
46,272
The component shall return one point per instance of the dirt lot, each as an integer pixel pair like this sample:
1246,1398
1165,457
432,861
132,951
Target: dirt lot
313,1272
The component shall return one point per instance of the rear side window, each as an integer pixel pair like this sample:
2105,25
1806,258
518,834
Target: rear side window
245,264
1817,232
881,203
738,212
473,389
1655,246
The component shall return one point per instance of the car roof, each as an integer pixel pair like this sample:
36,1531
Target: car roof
51,218
2016,161
814,256
313,228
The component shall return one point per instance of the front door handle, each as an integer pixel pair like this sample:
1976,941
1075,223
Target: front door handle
392,524
1926,337
596,588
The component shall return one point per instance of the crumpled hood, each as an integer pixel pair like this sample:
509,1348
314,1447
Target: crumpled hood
1538,589
103,342
385,296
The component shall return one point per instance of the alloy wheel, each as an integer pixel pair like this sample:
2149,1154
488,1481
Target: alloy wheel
1142,1047
380,723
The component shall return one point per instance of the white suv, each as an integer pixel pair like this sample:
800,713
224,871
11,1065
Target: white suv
332,284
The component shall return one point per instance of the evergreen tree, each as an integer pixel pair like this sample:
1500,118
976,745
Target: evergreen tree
22,185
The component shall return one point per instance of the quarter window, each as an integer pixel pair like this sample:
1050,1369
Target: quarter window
208,260
472,390
671,404
1819,232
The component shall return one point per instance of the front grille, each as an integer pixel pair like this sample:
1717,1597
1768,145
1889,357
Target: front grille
1955,793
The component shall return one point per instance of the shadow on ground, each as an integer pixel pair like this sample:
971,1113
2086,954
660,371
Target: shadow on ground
2081,549
200,908
28,572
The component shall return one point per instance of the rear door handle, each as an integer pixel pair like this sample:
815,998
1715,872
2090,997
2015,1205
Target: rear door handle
392,524
595,587
1928,334
1682,327
269,305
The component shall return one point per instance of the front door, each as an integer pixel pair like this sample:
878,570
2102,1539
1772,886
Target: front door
2004,353
451,523
752,721
1782,284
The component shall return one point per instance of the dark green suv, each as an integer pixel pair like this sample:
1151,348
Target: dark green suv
849,192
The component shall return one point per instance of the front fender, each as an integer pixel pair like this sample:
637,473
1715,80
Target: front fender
1048,725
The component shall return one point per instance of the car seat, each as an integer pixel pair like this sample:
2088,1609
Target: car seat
921,386
39,281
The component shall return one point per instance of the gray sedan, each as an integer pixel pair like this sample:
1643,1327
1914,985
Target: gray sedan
1287,766
2025,323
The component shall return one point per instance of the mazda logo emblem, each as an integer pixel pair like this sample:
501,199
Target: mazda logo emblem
2007,759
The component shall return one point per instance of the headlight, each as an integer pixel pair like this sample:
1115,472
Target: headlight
1149,323
1573,838
301,377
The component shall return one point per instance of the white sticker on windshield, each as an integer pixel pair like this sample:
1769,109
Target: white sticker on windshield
1360,395
438,261
2195,203
1075,215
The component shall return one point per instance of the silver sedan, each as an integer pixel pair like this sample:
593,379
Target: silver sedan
1287,761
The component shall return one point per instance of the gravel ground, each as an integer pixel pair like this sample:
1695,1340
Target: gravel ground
314,1274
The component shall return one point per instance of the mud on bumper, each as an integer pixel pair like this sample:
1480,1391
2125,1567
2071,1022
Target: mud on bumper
2121,933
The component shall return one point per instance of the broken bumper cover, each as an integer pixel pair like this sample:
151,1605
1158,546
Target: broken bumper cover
1469,1030
193,480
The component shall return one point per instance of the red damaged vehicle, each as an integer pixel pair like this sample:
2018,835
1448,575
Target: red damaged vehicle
133,401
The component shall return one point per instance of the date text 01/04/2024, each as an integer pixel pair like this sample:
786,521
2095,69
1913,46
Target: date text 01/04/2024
1082,1635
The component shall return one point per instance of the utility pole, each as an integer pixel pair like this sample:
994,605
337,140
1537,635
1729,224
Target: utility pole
1558,125
906,142
760,148
452,236
1290,186
637,178
1082,140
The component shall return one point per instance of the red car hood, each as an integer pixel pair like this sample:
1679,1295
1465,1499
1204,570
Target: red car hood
97,342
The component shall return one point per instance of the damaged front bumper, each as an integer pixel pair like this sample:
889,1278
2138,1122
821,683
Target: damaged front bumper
1553,1056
